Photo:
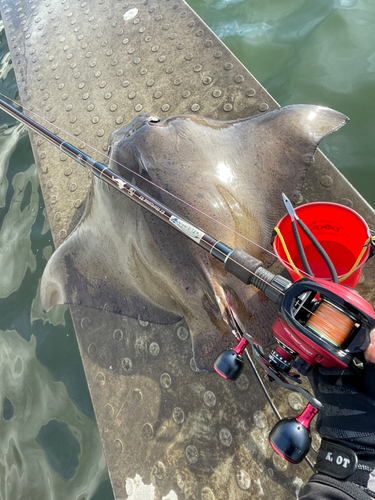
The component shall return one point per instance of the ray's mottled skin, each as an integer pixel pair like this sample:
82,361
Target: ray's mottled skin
122,258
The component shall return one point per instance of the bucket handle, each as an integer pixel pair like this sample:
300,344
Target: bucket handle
342,278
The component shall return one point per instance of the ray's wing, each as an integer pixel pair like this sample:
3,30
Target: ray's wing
120,260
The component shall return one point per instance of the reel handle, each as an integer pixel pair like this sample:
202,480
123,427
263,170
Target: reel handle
291,437
229,364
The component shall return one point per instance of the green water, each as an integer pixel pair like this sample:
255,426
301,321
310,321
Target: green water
320,52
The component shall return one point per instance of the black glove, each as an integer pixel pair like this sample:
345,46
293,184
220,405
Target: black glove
347,426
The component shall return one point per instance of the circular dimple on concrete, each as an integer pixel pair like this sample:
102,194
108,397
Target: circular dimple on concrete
108,410
193,365
242,382
53,199
162,59
178,415
279,462
263,107
138,107
137,60
150,83
216,93
209,398
238,78
243,479
148,431
195,107
270,472
228,106
125,83
347,202
188,57
142,322
125,41
130,14
182,333
159,470
127,365
108,95
118,335
154,349
131,95
100,378
113,107
197,68
177,81
180,46
192,454
136,396
295,401
85,323
185,94
260,419
155,48
49,184
143,71
207,80
92,349
165,380
68,171
218,54
63,234
57,216
326,181
118,446
225,437
169,70
207,494
119,120
228,66
95,119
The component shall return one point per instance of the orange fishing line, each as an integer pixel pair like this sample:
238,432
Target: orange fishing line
330,322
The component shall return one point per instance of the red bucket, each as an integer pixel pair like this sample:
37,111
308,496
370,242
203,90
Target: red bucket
341,232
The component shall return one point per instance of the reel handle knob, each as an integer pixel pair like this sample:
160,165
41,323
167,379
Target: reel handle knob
291,437
229,364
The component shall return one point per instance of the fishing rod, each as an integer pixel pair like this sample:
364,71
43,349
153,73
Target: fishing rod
318,322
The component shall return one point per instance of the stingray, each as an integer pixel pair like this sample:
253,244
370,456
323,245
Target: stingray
123,259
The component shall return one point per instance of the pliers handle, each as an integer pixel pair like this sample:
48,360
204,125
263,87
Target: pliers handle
296,220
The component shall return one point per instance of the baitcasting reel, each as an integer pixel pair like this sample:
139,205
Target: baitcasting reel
319,322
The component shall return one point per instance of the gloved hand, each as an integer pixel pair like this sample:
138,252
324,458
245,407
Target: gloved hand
347,424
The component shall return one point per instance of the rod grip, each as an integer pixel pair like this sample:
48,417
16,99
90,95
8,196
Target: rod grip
242,265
